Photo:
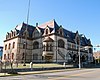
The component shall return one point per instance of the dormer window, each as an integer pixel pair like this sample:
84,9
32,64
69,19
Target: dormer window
46,31
10,35
6,36
61,33
36,34
14,33
25,33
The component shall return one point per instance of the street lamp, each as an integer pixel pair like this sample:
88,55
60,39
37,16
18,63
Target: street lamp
79,48
86,48
79,57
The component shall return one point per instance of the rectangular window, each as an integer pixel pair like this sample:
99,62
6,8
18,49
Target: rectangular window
6,47
9,46
8,56
44,48
25,45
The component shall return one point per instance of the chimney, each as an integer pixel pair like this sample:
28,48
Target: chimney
36,24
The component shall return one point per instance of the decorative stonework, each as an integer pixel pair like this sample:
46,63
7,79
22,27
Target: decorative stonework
47,42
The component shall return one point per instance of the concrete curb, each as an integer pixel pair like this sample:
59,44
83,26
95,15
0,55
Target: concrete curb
37,72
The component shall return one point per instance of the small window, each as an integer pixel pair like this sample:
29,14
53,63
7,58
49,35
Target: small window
6,47
24,45
12,55
36,45
61,32
47,47
43,47
4,56
46,31
14,33
8,56
61,43
23,56
9,46
50,47
13,44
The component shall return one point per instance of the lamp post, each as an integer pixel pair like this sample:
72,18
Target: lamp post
79,56
86,48
78,42
79,48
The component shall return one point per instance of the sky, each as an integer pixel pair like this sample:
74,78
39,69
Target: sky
73,15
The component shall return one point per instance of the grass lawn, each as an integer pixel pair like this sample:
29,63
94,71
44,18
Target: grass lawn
36,65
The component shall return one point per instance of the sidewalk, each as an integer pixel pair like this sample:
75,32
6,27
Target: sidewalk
46,71
37,72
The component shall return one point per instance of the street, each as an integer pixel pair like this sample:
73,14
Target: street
83,74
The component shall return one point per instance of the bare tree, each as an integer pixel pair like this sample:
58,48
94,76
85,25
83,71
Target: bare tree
10,59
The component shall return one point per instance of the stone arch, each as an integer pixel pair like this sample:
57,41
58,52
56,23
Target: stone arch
61,43
36,45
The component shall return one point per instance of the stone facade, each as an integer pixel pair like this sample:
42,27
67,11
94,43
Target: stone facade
48,42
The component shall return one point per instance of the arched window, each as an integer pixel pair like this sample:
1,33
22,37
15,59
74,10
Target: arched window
61,43
24,45
12,55
8,56
5,46
9,46
46,32
35,45
4,56
13,44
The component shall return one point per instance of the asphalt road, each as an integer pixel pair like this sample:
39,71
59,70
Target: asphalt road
84,74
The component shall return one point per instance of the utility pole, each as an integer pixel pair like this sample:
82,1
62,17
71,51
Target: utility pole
26,33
